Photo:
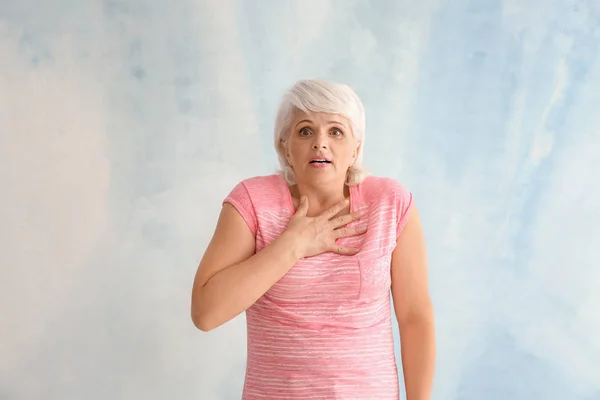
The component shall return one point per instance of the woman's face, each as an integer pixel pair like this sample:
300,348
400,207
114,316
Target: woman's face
320,148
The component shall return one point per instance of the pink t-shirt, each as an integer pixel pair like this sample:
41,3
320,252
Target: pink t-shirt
324,330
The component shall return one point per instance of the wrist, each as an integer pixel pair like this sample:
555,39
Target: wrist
290,245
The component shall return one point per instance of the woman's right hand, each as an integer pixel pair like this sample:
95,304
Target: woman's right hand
316,235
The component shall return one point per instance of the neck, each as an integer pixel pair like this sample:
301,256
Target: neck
321,196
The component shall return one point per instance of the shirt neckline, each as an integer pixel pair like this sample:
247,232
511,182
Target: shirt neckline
290,201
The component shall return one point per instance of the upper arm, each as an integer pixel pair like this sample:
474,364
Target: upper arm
234,239
410,288
232,243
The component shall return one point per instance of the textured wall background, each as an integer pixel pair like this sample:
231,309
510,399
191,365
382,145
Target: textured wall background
123,124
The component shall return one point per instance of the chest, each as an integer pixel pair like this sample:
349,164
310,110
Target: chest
333,278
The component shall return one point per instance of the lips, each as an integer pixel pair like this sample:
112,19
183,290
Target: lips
320,161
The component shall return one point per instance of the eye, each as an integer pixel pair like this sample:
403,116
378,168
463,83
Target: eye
336,132
304,131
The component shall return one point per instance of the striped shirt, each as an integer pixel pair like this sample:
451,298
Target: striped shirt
324,330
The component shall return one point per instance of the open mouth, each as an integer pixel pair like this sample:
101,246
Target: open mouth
320,161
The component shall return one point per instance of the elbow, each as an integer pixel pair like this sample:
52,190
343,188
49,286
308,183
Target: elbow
202,322
418,316
203,326
206,315
206,318
200,312
201,315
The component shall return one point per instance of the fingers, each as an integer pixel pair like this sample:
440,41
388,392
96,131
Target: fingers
346,232
345,219
347,251
334,210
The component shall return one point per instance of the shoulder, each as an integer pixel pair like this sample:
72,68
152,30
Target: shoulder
261,192
389,195
262,187
251,194
262,181
384,187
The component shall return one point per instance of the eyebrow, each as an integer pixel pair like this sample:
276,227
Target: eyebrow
329,122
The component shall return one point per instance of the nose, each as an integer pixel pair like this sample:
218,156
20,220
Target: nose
320,142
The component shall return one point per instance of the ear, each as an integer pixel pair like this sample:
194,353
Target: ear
284,148
356,150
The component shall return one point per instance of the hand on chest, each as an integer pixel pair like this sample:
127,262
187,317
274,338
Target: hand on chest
331,277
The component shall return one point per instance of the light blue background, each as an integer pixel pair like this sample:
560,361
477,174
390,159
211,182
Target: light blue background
123,124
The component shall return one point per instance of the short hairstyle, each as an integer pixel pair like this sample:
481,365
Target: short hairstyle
320,96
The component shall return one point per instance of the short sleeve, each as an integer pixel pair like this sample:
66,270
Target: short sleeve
240,199
404,204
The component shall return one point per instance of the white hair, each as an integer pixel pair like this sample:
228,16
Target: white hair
320,96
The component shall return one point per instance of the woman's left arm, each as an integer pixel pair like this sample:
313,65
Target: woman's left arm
414,309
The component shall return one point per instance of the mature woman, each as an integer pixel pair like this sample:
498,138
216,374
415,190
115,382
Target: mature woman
311,255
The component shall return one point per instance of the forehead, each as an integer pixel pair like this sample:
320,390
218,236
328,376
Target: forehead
319,118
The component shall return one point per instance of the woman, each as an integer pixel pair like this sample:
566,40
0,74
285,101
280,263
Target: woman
311,254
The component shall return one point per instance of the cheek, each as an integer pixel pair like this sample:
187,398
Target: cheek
296,151
347,153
